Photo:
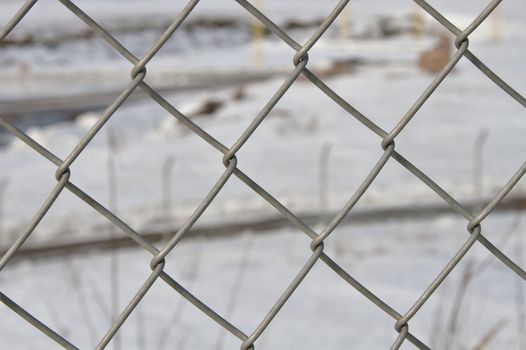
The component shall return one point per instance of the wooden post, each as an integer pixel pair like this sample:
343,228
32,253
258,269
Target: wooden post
478,165
495,25
345,24
324,176
258,33
166,183
418,22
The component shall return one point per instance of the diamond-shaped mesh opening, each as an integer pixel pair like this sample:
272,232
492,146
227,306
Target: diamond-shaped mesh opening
158,174
327,142
313,304
477,138
242,287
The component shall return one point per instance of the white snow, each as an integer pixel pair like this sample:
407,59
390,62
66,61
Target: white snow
396,260
287,144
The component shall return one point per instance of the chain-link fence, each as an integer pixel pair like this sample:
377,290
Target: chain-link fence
300,62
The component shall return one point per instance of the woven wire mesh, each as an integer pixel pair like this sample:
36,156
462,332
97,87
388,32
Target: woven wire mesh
300,63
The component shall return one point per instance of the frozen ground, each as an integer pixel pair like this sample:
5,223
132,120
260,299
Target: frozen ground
286,145
283,156
396,260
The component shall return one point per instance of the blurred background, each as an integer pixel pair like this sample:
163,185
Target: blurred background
77,271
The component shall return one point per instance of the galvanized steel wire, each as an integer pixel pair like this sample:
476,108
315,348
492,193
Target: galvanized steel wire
300,59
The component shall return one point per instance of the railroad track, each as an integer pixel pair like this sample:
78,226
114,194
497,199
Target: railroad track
89,101
263,225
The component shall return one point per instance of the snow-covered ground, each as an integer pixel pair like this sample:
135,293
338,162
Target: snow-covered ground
396,261
284,153
283,156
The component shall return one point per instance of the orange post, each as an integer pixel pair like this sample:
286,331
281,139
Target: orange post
345,24
418,22
495,24
258,33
